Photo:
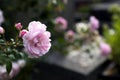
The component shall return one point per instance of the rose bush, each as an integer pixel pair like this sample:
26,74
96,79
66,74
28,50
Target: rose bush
34,40
31,43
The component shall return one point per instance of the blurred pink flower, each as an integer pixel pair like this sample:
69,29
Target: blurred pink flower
18,26
1,30
61,24
37,40
69,36
94,23
16,67
105,48
3,73
15,70
1,17
22,33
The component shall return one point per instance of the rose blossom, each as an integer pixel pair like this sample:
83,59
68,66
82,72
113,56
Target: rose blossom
105,48
61,24
18,26
1,30
37,40
22,33
94,23
69,36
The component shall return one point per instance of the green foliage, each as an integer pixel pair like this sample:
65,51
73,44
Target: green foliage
114,38
38,9
8,66
9,52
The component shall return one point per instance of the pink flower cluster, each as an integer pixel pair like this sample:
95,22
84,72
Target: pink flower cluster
18,26
36,40
61,24
105,48
94,23
69,36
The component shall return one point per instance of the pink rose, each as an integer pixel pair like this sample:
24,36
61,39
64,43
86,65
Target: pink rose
69,36
94,23
22,33
1,30
37,40
105,48
18,26
61,24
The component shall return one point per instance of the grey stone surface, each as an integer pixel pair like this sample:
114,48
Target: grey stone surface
69,63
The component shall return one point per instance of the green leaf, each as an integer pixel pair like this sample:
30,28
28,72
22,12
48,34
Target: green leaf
8,66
